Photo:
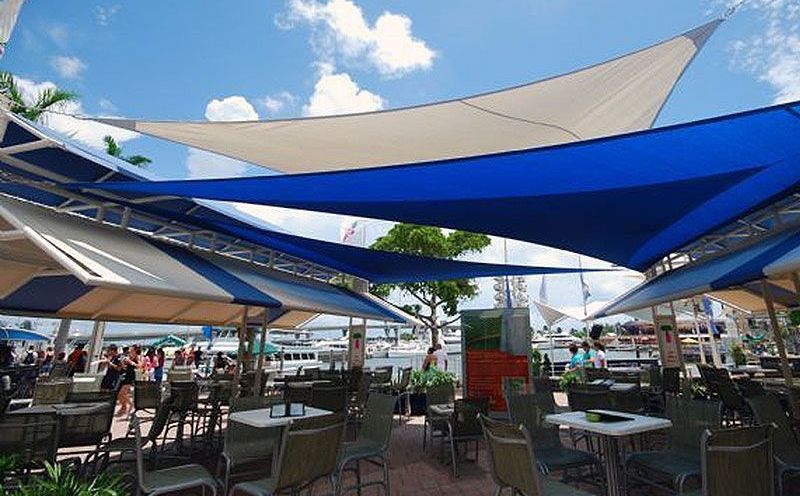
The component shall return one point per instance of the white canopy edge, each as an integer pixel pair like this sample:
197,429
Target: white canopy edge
620,95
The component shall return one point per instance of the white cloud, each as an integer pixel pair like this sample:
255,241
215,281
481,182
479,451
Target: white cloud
339,94
68,67
107,105
202,164
88,132
278,101
773,54
104,15
58,33
341,28
232,108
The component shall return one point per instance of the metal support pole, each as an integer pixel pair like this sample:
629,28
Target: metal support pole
261,350
96,345
237,375
776,332
60,343
697,332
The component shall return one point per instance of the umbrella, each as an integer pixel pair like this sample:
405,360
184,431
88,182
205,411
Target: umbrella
170,341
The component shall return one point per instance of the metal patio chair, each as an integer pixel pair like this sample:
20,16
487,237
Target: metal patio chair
402,391
371,445
244,445
171,479
442,394
767,410
331,398
50,392
513,463
527,410
309,452
33,438
680,462
463,427
738,461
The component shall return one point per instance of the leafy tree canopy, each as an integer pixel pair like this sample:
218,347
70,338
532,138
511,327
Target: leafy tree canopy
437,297
113,149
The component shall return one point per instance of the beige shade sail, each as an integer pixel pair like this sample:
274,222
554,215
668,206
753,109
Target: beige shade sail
620,95
63,265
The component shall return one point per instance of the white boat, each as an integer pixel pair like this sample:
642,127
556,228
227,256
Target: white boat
406,349
452,341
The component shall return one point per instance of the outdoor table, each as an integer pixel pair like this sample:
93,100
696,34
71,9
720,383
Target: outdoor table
610,433
261,418
54,408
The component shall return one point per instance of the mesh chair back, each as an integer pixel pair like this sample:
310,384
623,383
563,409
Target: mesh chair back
183,396
441,394
377,426
59,370
671,380
308,454
245,443
180,373
251,403
84,426
297,393
738,461
587,399
146,395
541,385
34,438
630,401
690,419
654,378
137,431
767,410
160,420
86,383
51,392
311,373
525,410
511,457
331,398
405,379
465,421
92,397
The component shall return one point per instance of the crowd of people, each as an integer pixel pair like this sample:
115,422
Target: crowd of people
586,357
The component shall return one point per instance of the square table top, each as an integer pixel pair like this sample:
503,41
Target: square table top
637,425
261,418
443,409
57,408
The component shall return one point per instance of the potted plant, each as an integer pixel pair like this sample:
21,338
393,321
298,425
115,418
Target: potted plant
569,379
738,355
56,481
421,381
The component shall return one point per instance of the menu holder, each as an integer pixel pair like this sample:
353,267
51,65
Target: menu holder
608,417
287,410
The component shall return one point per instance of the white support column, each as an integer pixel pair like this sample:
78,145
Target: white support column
697,332
60,342
261,347
776,333
96,345
237,375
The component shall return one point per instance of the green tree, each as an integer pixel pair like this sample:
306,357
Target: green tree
437,297
46,100
113,149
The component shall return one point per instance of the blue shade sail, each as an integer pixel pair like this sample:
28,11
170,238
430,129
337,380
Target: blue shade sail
65,161
628,199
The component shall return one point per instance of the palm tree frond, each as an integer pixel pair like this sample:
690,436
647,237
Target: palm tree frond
112,148
138,160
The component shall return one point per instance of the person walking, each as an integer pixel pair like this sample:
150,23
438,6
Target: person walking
441,356
130,363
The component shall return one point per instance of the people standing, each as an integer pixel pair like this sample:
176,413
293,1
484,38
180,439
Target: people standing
576,358
113,369
31,357
47,361
600,356
130,363
78,360
588,355
441,356
430,360
158,372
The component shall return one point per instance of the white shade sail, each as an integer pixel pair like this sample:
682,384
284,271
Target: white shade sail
620,95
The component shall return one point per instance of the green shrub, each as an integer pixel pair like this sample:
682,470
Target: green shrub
421,380
536,363
737,353
569,379
59,482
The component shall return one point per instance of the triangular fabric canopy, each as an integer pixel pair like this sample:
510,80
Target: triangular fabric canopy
39,155
724,276
628,199
620,95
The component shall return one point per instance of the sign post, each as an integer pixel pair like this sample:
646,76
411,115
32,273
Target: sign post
357,348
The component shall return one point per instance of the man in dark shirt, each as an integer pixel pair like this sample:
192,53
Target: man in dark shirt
113,371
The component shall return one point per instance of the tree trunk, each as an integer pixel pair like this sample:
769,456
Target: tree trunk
434,323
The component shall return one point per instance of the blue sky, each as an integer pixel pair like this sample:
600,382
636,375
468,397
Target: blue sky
171,60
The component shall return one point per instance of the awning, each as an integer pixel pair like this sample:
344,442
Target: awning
620,95
67,266
12,334
29,152
628,199
729,277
